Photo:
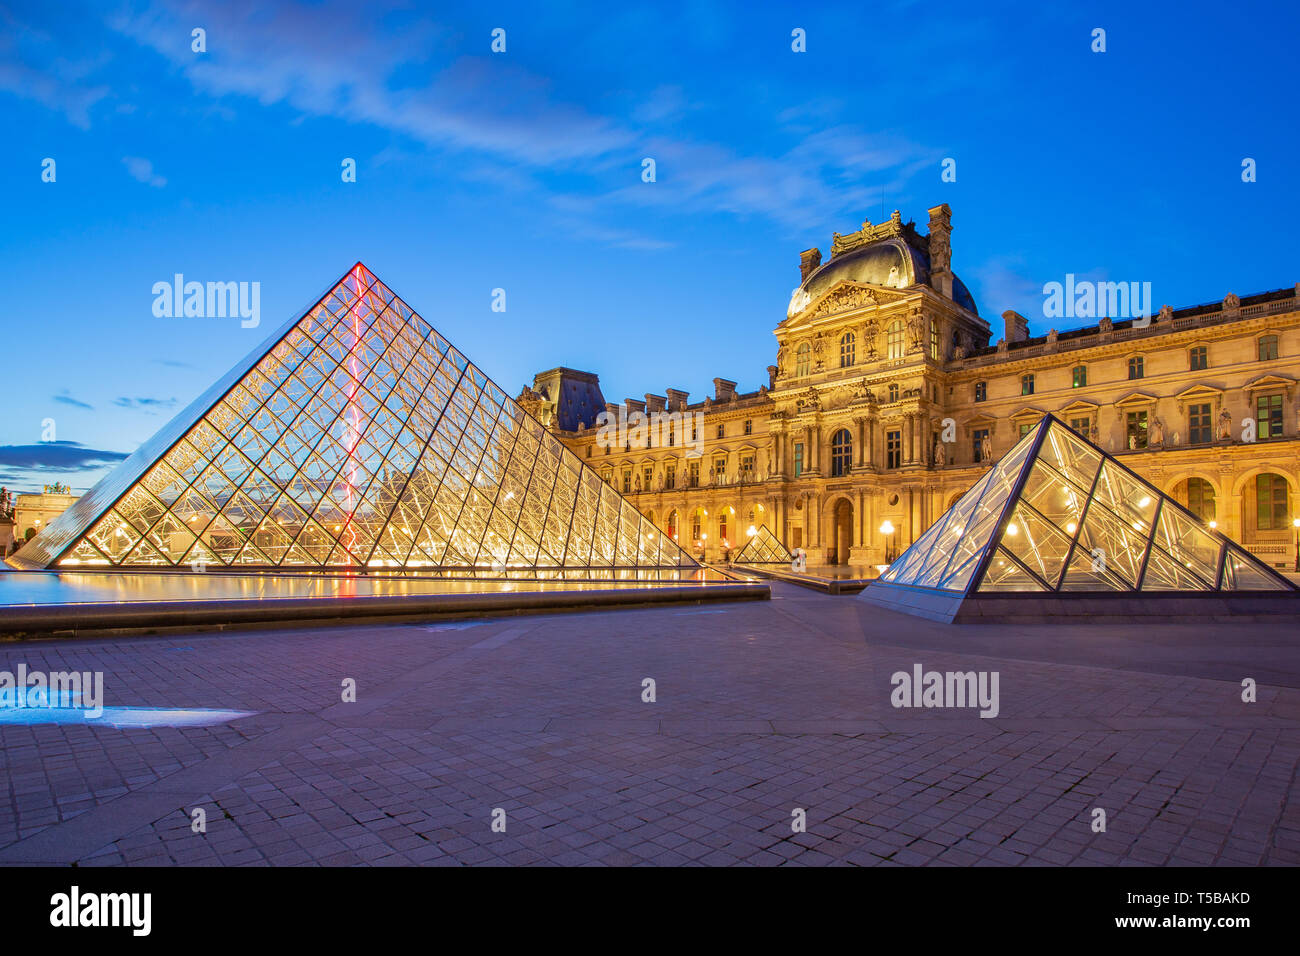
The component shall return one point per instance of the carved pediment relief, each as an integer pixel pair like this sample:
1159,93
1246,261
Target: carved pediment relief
844,297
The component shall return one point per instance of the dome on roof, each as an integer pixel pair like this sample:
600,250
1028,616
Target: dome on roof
893,263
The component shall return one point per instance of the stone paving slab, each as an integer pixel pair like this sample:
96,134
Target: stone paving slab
759,711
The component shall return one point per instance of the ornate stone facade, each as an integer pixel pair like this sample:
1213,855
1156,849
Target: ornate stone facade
891,395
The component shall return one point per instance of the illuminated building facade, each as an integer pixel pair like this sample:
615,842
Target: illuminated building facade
891,395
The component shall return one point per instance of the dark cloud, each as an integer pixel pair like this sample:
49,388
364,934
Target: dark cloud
58,455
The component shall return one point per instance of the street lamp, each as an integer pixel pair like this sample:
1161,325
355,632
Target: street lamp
887,529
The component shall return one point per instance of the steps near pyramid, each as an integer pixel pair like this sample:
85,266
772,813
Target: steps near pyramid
1059,529
356,438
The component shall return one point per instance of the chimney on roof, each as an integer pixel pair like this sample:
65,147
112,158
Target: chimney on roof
771,376
941,250
654,403
676,399
723,390
634,405
1016,326
809,260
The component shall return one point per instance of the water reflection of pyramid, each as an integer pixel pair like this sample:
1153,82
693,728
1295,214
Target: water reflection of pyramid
1059,515
358,437
762,548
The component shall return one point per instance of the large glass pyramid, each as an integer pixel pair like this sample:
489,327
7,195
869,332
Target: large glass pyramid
357,437
762,548
1059,514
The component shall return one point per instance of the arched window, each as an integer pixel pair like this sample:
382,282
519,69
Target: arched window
696,517
894,340
1270,502
847,349
893,392
803,359
841,453
1200,498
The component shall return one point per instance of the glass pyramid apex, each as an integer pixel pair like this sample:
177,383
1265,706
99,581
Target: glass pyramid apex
763,548
355,437
1058,514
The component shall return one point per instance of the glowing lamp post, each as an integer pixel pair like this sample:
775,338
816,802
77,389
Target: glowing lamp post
887,529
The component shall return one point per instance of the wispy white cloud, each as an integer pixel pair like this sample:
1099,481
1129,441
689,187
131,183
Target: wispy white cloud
142,170
349,63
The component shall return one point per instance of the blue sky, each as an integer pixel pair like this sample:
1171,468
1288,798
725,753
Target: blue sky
522,171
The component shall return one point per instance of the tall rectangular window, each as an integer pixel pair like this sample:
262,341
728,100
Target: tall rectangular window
980,443
1269,414
1136,367
693,474
749,427
798,458
670,476
1081,426
1027,384
981,391
1024,429
627,481
1135,430
1199,426
1079,376
1270,501
893,449
1267,347
1198,359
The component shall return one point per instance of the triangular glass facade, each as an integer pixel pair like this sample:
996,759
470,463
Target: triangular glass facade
1058,514
762,548
360,438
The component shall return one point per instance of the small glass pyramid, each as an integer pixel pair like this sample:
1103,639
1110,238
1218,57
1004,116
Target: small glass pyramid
1059,514
763,548
358,437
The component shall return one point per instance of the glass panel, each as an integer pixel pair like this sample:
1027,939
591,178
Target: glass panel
1163,573
1004,574
1187,543
1241,572
1038,543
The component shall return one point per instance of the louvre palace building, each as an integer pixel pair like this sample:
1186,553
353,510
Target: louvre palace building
890,395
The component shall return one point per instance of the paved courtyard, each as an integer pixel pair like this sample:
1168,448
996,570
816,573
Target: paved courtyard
761,709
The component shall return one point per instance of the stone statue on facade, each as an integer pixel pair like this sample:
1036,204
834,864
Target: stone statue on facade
1225,426
940,454
1157,434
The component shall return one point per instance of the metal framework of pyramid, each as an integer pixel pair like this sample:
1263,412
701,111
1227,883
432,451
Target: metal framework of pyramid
356,437
763,548
1059,515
